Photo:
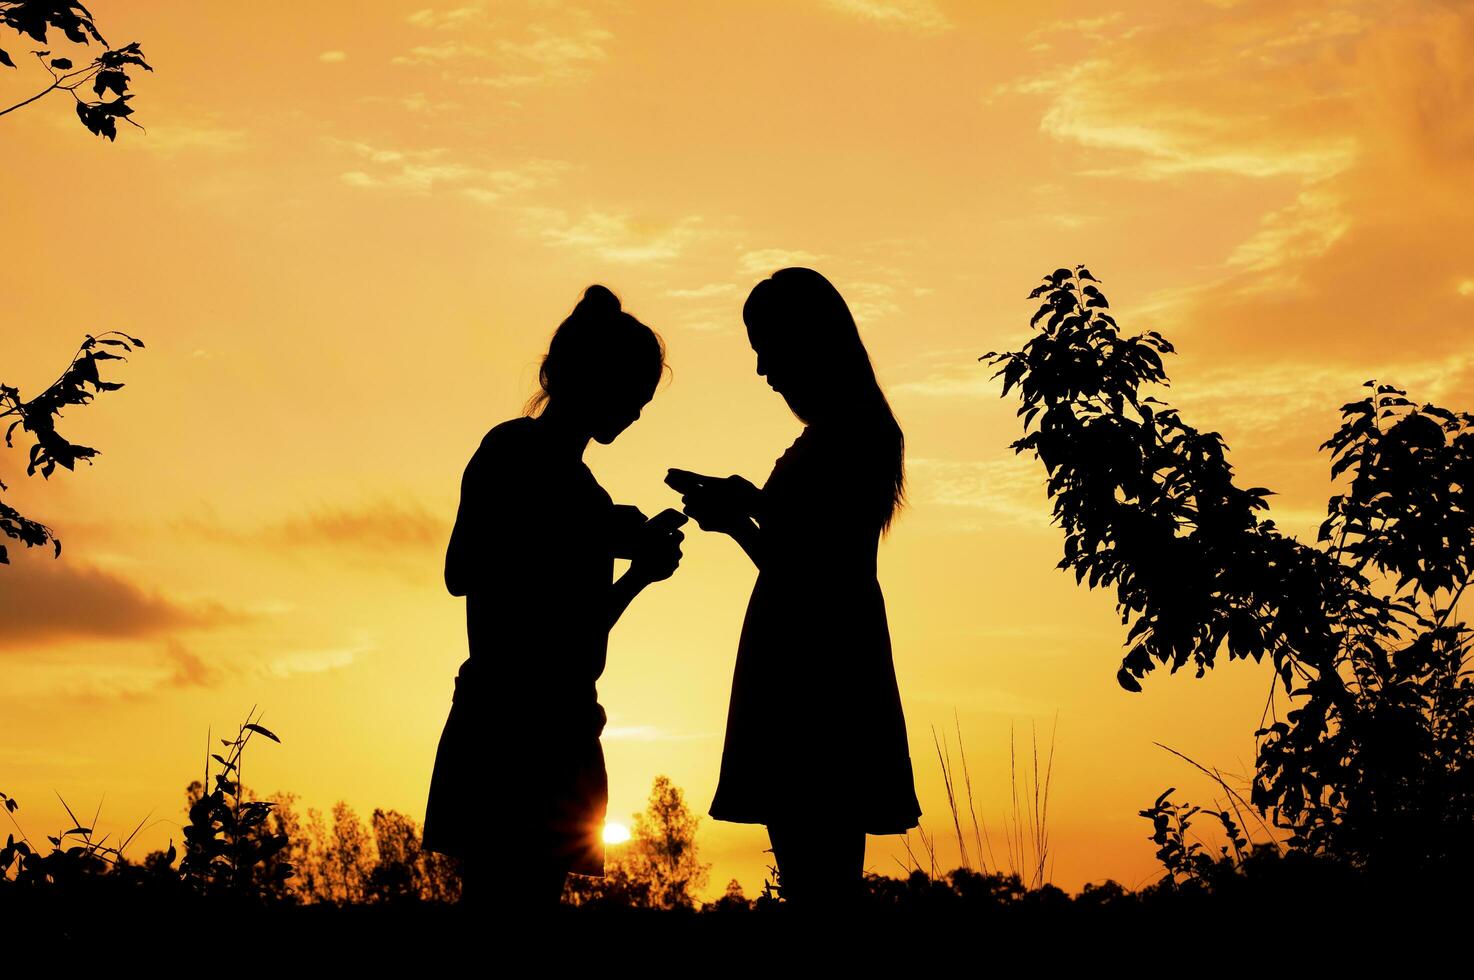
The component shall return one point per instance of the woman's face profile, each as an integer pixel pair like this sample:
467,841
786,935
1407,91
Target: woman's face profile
617,410
783,365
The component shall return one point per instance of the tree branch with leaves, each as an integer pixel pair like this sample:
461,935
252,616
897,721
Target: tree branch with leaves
37,417
108,72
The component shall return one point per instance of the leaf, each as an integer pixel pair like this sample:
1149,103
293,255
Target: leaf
1129,683
4,558
117,107
61,63
262,731
128,54
5,59
110,79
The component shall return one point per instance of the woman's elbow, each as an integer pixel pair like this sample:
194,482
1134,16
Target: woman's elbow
455,581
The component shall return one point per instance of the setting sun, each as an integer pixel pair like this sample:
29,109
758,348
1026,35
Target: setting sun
616,833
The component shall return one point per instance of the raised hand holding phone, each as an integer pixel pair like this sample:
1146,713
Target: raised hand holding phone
724,504
657,548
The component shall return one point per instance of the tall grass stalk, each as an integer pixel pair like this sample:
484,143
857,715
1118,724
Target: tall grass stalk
1025,829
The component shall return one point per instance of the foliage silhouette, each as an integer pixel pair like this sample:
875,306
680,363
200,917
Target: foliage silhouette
38,416
664,848
108,72
1373,763
226,842
659,867
77,859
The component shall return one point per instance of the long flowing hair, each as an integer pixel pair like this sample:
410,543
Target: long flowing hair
815,320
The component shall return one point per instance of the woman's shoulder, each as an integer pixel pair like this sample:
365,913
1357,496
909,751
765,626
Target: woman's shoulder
507,447
509,440
517,433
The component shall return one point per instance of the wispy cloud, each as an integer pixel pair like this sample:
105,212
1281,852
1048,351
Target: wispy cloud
923,16
376,527
171,138
189,669
1009,489
445,51
972,381
1289,237
1271,399
317,661
510,46
1096,28
451,18
425,171
1350,125
766,261
1198,92
618,237
395,524
709,291
43,599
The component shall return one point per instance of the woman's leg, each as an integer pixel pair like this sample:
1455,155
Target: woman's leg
818,867
506,885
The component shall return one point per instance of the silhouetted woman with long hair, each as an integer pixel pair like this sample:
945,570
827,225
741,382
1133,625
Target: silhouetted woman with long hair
519,789
816,741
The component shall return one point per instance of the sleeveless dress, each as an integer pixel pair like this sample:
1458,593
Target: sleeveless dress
519,766
815,731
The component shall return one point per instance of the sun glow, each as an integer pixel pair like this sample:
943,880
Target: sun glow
616,833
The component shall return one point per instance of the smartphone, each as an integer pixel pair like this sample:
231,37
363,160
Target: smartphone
667,520
684,481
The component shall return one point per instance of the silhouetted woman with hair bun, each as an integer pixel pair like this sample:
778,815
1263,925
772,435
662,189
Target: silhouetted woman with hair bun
816,740
519,789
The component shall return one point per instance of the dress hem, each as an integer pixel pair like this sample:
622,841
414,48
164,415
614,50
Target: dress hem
768,820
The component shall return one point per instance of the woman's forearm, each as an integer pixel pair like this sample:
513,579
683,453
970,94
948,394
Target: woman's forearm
750,536
622,593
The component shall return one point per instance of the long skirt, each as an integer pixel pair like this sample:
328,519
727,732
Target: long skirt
526,784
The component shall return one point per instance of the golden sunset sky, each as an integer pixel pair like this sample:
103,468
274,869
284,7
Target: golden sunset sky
351,228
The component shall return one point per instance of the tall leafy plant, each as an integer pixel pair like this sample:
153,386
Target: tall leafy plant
1372,761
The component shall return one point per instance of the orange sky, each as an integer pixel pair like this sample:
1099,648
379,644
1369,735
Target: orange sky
351,228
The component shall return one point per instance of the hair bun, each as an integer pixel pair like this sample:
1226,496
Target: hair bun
598,299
